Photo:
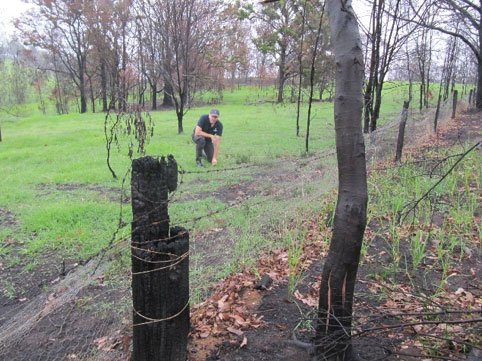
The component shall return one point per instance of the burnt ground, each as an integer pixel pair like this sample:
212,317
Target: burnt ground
380,291
54,317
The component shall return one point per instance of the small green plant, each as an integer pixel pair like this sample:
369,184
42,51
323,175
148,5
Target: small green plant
295,265
445,263
14,261
30,267
306,319
242,158
418,244
9,289
395,245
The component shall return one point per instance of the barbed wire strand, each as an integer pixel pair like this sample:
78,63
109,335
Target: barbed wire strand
157,320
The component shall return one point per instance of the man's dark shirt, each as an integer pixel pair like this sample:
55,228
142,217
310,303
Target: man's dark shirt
205,125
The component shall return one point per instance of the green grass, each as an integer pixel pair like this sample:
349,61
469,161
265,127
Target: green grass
455,198
55,180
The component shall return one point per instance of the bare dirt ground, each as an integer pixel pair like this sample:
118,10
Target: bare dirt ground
67,311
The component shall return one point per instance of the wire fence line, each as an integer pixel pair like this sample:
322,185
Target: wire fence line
81,316
382,142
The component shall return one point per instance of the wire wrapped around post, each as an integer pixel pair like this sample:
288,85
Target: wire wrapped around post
160,265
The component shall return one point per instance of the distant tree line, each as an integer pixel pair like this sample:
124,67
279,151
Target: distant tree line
104,54
160,53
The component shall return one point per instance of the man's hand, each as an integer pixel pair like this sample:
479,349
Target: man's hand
214,162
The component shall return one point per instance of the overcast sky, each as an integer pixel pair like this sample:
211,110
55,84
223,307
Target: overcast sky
10,9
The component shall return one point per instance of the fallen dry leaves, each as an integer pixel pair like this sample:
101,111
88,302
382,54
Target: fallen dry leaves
226,311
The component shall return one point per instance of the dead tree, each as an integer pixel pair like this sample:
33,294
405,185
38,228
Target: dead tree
401,131
332,340
160,265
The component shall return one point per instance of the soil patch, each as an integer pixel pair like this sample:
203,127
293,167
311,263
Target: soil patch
7,218
102,193
20,282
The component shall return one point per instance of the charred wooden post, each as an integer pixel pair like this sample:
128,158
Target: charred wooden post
454,103
160,265
401,131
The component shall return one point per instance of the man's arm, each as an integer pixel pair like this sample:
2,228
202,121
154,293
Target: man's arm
216,142
200,133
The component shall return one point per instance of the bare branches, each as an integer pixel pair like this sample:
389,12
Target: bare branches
462,156
135,126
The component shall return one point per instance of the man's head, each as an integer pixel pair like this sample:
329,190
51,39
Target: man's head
213,115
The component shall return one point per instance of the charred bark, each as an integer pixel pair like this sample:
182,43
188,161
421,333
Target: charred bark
478,94
83,97
333,329
401,132
154,96
454,103
160,283
103,84
168,91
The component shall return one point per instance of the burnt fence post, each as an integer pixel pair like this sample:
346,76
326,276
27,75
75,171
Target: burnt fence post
454,103
401,131
160,265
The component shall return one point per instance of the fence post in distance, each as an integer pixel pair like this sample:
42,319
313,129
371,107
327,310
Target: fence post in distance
401,131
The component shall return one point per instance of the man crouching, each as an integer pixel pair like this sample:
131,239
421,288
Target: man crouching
207,136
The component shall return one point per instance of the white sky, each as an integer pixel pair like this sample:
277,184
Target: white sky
9,10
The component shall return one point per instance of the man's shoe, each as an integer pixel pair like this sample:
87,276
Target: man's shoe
199,164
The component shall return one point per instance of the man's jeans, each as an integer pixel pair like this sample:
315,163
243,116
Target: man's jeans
203,144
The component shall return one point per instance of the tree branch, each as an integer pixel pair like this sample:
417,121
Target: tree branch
479,143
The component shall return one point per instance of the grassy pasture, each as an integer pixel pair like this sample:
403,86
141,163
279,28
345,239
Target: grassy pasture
58,201
55,182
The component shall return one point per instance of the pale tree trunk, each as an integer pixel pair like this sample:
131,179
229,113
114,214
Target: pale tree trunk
281,74
332,338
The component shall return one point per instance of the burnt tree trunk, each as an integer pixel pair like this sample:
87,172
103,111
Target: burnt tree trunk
333,329
154,96
454,103
312,79
437,111
168,92
470,96
374,63
300,80
478,92
160,283
401,131
103,85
